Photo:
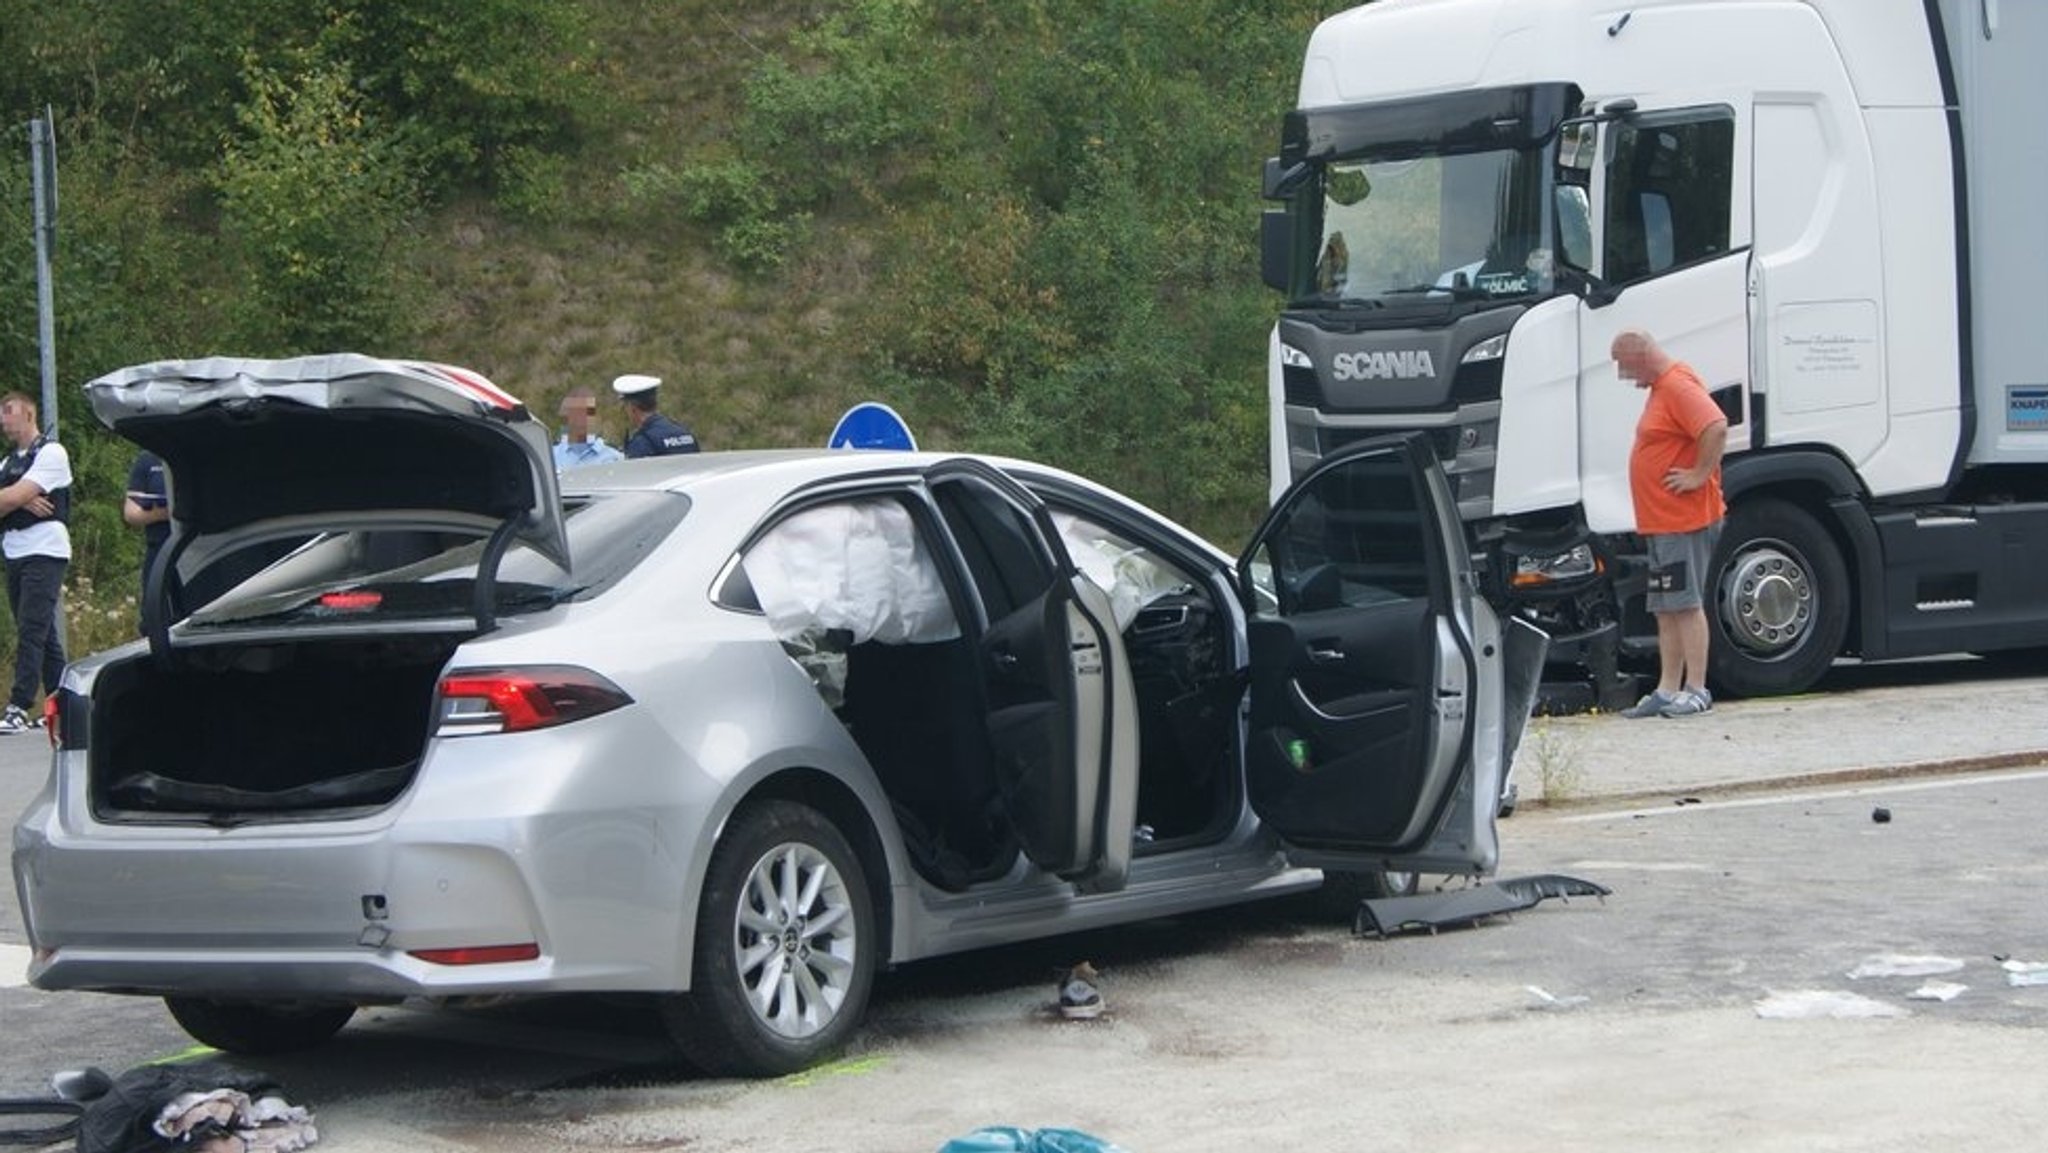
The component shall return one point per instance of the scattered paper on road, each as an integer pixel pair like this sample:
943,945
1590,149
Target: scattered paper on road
1899,965
1937,991
1814,1004
1548,1000
2026,972
13,966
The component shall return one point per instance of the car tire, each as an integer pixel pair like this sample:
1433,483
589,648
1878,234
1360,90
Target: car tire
1778,608
763,1007
259,1027
1338,899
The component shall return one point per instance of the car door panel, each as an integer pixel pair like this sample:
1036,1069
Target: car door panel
1337,757
1060,717
1030,720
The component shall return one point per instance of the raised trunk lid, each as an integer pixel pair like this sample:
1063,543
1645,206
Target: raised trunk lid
259,447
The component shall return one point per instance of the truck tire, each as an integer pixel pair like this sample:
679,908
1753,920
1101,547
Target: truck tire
1778,607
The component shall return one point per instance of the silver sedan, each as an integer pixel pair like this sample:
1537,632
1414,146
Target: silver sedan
414,718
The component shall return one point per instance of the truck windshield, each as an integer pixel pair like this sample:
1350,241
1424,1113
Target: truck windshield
1469,226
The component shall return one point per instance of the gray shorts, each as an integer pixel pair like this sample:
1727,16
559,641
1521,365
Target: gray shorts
1680,563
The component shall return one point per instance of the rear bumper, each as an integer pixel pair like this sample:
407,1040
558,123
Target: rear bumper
505,841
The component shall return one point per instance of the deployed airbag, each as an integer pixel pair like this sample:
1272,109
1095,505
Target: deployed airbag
859,567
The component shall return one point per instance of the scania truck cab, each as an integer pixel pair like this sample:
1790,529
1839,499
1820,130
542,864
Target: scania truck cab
1826,207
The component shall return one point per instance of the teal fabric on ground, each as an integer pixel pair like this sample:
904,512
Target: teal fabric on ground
1009,1139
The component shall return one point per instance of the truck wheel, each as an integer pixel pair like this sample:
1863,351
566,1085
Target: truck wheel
258,1027
786,945
1779,606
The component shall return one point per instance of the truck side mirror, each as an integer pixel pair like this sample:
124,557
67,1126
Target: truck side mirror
1280,180
1574,227
1276,240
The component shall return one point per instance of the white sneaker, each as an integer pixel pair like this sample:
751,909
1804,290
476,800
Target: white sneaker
1079,1000
1689,703
15,720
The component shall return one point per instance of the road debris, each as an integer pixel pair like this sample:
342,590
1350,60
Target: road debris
1385,916
1551,1001
1818,1004
1937,991
1898,965
2019,973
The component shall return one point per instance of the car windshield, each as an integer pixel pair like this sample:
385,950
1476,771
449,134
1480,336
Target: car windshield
1469,225
387,575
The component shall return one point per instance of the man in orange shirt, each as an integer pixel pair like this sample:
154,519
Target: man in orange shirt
1674,474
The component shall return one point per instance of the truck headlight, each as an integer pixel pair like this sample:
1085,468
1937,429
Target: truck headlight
1492,348
1575,563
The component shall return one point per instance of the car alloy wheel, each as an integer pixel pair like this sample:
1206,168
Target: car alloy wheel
794,940
785,948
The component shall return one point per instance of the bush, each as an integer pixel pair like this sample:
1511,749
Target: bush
315,194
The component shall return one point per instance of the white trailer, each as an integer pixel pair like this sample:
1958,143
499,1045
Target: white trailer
1830,208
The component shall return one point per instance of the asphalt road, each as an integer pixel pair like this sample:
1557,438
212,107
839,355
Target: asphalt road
1616,1025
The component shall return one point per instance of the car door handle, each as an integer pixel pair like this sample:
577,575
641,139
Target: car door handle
1325,655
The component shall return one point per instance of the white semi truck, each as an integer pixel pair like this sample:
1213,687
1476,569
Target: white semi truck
1833,209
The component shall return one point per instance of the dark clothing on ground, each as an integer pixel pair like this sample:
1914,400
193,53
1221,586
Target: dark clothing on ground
660,436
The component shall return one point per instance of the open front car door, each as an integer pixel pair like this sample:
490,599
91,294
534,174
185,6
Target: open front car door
1376,737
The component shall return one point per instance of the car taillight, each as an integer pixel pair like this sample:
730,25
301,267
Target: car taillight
476,701
52,720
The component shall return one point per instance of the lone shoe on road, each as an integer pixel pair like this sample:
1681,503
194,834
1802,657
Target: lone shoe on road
1079,1000
1653,704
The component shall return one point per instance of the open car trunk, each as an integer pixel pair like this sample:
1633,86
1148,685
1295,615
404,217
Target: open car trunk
235,735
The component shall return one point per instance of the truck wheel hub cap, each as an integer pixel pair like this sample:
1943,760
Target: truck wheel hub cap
1768,599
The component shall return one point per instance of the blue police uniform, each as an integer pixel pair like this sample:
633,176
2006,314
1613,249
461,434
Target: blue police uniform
660,436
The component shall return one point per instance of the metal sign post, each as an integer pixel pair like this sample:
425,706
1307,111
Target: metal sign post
42,159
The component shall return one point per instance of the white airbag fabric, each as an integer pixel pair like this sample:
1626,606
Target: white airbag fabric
858,566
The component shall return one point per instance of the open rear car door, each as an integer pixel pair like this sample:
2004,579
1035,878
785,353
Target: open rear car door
1379,726
1062,714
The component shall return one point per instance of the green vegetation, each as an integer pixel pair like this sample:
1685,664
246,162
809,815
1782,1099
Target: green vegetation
1030,226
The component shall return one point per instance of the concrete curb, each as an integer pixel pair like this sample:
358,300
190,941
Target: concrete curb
1957,766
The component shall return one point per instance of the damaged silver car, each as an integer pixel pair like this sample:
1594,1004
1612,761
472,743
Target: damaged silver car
734,730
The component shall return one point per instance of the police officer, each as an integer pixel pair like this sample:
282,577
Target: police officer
653,434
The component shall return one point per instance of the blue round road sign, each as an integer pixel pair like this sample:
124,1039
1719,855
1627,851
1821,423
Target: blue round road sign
871,424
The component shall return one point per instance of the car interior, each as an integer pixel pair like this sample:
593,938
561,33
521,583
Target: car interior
856,593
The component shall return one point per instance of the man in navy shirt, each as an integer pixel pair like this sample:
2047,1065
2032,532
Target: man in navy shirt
148,507
653,434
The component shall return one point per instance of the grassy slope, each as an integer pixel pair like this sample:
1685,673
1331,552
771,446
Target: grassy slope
540,307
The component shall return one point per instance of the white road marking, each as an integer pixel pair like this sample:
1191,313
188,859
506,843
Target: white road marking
1872,790
13,966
